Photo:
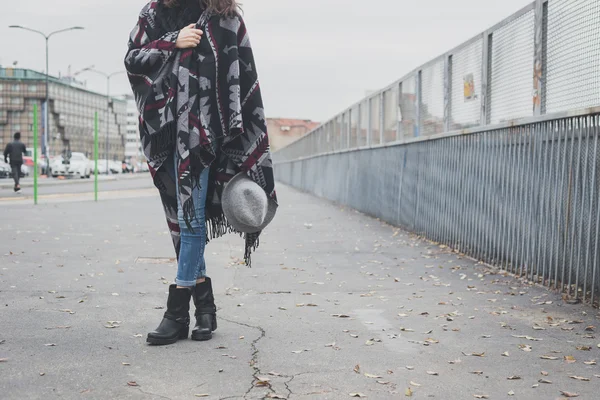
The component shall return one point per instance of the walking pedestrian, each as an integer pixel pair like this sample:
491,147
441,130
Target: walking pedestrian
204,134
15,151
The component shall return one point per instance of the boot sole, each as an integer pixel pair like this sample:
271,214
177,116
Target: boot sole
157,341
201,338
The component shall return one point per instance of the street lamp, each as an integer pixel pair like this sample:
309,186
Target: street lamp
107,76
47,102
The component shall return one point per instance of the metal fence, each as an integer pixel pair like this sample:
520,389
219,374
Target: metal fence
491,148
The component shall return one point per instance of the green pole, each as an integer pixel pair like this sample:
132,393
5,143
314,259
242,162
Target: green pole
35,152
96,156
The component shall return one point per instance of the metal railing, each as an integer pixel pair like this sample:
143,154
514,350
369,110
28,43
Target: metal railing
491,148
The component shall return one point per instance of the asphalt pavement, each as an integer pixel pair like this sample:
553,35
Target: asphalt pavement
52,187
337,305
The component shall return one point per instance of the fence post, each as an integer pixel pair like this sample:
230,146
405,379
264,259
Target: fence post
96,156
369,122
485,68
418,105
381,117
447,91
540,47
35,154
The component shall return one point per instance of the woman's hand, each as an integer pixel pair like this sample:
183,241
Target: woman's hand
189,37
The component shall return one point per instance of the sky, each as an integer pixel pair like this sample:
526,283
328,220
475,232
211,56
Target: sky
314,57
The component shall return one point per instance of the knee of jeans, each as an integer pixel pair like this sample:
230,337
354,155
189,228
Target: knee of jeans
197,223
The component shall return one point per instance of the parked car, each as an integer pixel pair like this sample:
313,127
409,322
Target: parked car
25,170
77,165
115,167
5,170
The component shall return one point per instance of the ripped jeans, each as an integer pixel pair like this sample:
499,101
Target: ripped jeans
191,265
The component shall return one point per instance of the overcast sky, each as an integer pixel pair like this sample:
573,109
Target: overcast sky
314,57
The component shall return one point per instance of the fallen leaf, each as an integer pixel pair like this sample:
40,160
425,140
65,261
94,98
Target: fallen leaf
340,315
138,335
50,344
383,382
477,372
481,396
357,369
544,373
125,363
545,381
262,381
506,354
357,395
408,392
373,376
42,373
275,396
3,359
549,358
415,384
202,395
584,348
570,359
591,362
432,373
132,383
525,347
457,361
410,367
569,394
580,378
474,354
514,378
511,393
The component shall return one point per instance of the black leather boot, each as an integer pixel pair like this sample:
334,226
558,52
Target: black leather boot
206,311
176,322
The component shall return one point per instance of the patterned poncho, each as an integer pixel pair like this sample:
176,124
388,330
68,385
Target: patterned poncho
204,107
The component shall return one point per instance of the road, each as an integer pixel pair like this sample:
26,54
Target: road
337,304
54,187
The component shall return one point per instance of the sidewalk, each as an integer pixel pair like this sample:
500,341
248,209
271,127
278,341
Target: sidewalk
336,304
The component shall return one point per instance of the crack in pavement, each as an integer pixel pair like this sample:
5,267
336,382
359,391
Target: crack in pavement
254,359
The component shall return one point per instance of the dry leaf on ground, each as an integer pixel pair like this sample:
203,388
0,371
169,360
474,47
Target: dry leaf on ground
357,395
580,378
202,395
481,396
357,369
132,383
549,358
569,394
408,392
373,376
432,373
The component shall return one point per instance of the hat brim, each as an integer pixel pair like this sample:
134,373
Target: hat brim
237,225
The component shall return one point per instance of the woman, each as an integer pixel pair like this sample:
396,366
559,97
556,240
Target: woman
202,122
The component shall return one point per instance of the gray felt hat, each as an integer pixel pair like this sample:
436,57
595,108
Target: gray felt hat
246,205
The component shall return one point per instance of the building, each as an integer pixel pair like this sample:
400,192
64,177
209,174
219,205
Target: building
133,146
283,131
71,117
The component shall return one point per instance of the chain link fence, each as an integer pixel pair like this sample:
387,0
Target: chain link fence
491,148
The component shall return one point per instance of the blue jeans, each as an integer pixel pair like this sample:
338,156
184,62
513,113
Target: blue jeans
191,264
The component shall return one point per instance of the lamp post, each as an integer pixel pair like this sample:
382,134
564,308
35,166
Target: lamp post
47,103
108,77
